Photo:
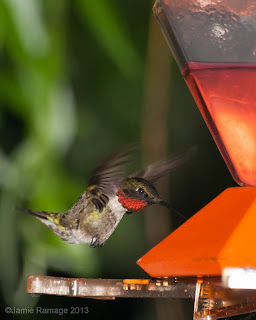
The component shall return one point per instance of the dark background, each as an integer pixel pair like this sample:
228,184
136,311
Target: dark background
79,79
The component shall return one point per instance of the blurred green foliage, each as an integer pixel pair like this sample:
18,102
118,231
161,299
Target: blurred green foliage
71,90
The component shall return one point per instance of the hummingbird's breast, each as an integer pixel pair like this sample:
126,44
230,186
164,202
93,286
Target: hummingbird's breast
113,215
94,223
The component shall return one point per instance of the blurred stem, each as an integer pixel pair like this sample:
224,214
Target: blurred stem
155,122
155,143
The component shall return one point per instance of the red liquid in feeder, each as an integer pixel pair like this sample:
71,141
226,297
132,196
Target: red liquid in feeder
226,96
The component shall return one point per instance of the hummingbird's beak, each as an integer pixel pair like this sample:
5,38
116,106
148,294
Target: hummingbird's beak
165,204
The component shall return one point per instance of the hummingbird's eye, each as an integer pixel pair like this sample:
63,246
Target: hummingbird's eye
140,191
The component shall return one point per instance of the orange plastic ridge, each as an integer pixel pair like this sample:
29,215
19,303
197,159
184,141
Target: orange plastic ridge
136,281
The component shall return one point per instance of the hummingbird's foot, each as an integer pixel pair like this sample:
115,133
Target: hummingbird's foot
94,242
129,212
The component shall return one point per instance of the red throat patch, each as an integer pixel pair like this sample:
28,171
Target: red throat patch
131,204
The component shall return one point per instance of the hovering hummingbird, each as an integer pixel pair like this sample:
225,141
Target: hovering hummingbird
96,214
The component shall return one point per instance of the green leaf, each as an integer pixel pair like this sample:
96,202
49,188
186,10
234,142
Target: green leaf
109,29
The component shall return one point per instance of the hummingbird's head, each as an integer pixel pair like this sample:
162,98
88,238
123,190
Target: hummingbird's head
137,193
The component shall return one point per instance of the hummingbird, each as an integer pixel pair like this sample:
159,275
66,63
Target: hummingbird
109,196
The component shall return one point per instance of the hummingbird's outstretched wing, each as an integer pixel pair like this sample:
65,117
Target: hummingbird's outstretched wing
158,170
107,177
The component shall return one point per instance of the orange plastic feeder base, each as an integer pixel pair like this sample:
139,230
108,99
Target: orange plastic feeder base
222,234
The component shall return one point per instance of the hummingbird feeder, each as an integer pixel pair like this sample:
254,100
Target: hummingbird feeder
214,44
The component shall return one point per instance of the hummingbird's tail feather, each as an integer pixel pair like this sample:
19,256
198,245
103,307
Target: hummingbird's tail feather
47,218
56,222
38,214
